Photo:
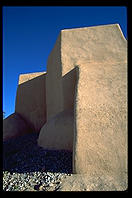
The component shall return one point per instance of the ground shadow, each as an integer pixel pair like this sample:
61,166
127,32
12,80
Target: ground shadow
23,155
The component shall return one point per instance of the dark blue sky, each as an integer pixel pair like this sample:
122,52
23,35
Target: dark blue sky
29,34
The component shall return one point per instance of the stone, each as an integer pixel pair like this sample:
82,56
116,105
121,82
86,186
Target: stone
57,133
14,126
31,99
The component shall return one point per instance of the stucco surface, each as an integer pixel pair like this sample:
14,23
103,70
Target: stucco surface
92,182
57,133
100,95
14,126
26,77
31,99
101,100
54,91
101,119
68,84
104,43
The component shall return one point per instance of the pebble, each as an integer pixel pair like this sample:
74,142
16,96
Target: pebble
35,181
28,167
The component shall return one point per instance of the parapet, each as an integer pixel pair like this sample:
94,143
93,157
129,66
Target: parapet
26,77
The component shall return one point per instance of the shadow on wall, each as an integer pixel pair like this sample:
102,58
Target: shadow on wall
58,132
31,101
75,124
69,85
22,154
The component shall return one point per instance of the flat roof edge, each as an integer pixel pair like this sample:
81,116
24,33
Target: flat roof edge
94,26
29,76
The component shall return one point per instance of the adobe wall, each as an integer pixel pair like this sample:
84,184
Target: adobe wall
68,86
57,133
54,92
100,102
59,88
100,136
31,99
104,43
100,133
14,126
75,46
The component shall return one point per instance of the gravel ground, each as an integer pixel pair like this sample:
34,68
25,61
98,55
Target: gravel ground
28,167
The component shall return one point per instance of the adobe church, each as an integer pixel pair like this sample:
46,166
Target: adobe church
80,102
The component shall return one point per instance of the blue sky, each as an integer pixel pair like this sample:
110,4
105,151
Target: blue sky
29,34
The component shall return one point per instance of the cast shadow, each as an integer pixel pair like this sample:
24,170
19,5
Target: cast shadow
22,154
29,94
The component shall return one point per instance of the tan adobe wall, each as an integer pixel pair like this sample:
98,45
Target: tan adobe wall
100,100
